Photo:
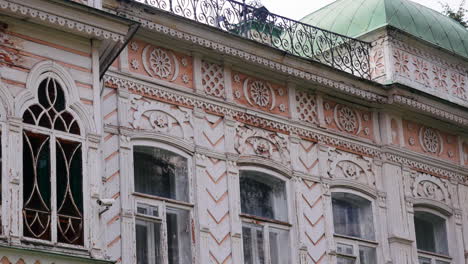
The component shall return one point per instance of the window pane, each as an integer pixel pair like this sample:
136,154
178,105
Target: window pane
148,242
252,238
431,233
69,192
352,216
367,255
442,262
178,236
345,260
36,186
344,249
423,260
279,246
263,195
160,172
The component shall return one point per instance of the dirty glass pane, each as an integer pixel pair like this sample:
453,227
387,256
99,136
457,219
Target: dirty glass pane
263,195
431,233
148,242
279,246
69,192
36,186
367,255
423,260
160,172
178,236
252,239
352,216
345,260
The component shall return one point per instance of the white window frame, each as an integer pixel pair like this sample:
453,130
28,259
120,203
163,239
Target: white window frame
356,242
432,255
53,135
265,223
161,202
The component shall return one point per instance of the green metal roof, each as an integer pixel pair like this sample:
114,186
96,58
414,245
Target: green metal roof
354,18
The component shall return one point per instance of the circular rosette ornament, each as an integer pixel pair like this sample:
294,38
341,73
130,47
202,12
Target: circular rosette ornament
160,63
347,120
259,93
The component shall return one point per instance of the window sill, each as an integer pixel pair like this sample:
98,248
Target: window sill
159,198
372,242
432,254
70,255
59,248
258,219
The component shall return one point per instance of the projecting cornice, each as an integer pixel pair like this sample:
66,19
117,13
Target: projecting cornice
48,13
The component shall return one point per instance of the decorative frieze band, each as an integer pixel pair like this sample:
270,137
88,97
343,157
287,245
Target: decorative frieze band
275,125
348,89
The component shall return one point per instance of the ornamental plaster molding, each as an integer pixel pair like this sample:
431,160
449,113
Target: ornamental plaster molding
349,166
63,22
420,166
430,109
237,114
161,117
340,86
426,186
397,41
260,142
373,97
174,97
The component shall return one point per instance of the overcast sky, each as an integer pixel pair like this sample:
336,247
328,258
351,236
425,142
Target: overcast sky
297,9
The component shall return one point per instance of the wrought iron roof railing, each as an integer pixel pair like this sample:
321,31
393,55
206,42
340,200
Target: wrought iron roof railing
258,24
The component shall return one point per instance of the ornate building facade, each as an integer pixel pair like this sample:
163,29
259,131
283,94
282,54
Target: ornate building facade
177,132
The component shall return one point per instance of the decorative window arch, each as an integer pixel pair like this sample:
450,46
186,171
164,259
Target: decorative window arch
354,226
52,166
265,215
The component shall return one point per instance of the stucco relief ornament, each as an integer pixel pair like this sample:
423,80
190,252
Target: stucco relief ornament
282,107
184,62
401,63
350,166
347,119
430,187
160,117
185,78
349,169
135,64
160,63
260,142
237,94
259,93
134,46
411,141
440,76
159,120
430,140
237,78
458,87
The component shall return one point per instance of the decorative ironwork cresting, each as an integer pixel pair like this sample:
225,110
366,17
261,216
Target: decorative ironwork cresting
258,24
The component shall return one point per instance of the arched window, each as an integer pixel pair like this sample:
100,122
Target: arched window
163,225
431,237
353,223
52,168
265,227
